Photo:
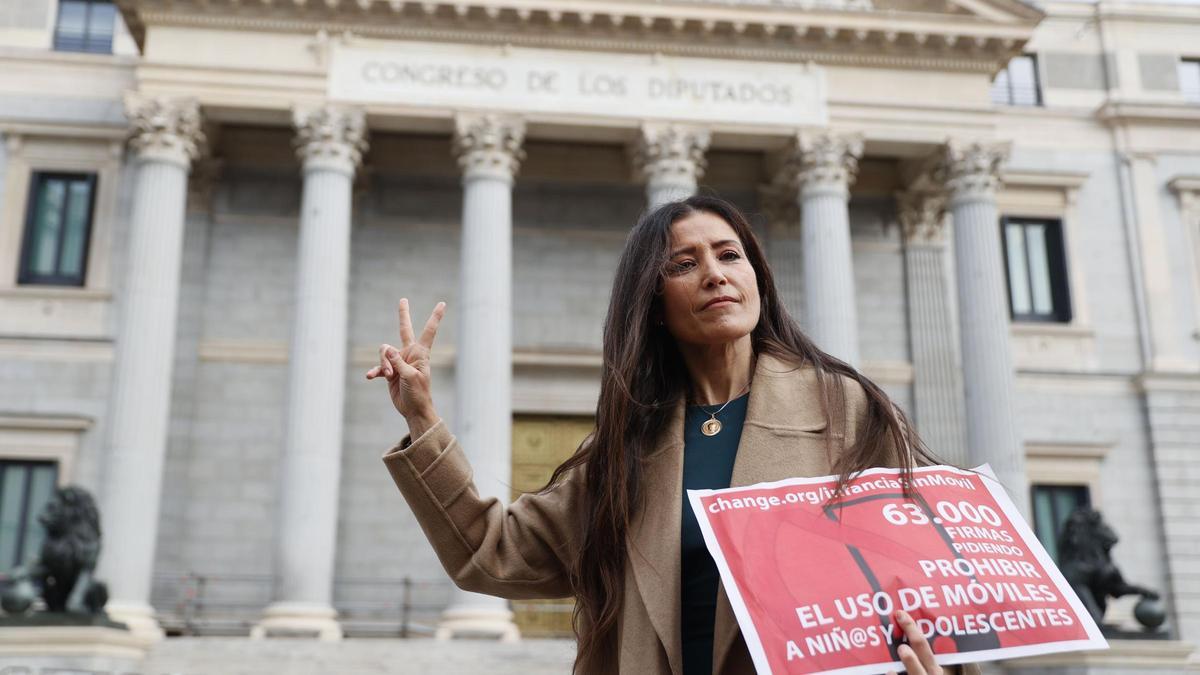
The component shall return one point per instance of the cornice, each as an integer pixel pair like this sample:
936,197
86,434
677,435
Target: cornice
1156,382
1133,112
51,422
1094,450
68,59
868,38
1185,184
1063,180
91,130
1149,12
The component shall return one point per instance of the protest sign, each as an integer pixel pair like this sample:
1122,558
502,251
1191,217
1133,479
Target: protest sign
815,584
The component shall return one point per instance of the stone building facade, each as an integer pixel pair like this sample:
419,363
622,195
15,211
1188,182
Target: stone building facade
209,209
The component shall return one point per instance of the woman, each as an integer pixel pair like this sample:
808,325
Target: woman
707,382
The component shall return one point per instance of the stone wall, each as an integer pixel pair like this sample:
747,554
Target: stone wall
1173,408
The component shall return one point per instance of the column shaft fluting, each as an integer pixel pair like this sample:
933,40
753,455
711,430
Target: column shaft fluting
308,508
824,166
937,382
483,368
489,151
988,378
166,138
142,377
832,316
330,142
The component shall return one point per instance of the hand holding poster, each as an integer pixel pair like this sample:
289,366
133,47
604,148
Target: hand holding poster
815,585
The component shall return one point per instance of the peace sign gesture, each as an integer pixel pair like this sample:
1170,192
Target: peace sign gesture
407,369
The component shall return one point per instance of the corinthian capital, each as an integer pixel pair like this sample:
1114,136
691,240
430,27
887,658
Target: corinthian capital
971,171
164,129
489,144
670,153
921,214
822,161
330,137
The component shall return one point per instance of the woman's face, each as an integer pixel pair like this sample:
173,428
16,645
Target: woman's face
710,295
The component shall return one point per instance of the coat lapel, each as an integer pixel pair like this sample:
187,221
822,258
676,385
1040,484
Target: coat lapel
783,437
654,545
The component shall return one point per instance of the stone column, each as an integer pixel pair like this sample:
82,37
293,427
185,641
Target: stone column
329,142
488,148
165,138
670,159
937,381
823,166
971,175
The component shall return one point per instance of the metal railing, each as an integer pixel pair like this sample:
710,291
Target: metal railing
193,603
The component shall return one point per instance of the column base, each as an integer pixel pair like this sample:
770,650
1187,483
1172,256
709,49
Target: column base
477,622
298,619
138,616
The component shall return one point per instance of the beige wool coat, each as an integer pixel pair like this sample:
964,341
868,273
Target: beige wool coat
524,550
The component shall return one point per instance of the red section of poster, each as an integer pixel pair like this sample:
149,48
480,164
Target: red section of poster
815,583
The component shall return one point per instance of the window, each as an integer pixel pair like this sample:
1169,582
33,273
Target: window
1035,261
85,26
1017,84
1189,80
25,487
58,225
1051,506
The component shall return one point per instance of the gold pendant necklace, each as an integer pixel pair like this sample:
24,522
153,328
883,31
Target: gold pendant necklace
712,425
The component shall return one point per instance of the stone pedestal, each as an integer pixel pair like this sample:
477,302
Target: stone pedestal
77,650
1123,657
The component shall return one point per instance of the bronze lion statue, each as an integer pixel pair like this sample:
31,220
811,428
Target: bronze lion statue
63,572
1084,545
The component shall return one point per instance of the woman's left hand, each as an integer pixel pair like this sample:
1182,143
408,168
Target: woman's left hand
917,655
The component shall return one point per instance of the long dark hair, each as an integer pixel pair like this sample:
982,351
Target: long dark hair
643,377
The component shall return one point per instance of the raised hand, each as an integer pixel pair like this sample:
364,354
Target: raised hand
406,369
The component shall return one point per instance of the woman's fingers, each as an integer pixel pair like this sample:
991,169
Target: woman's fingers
406,329
431,326
394,363
385,365
912,665
918,652
405,369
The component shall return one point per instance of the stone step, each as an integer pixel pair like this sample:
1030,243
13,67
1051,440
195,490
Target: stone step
284,656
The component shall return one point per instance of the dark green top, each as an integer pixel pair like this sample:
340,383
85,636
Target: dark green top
707,464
